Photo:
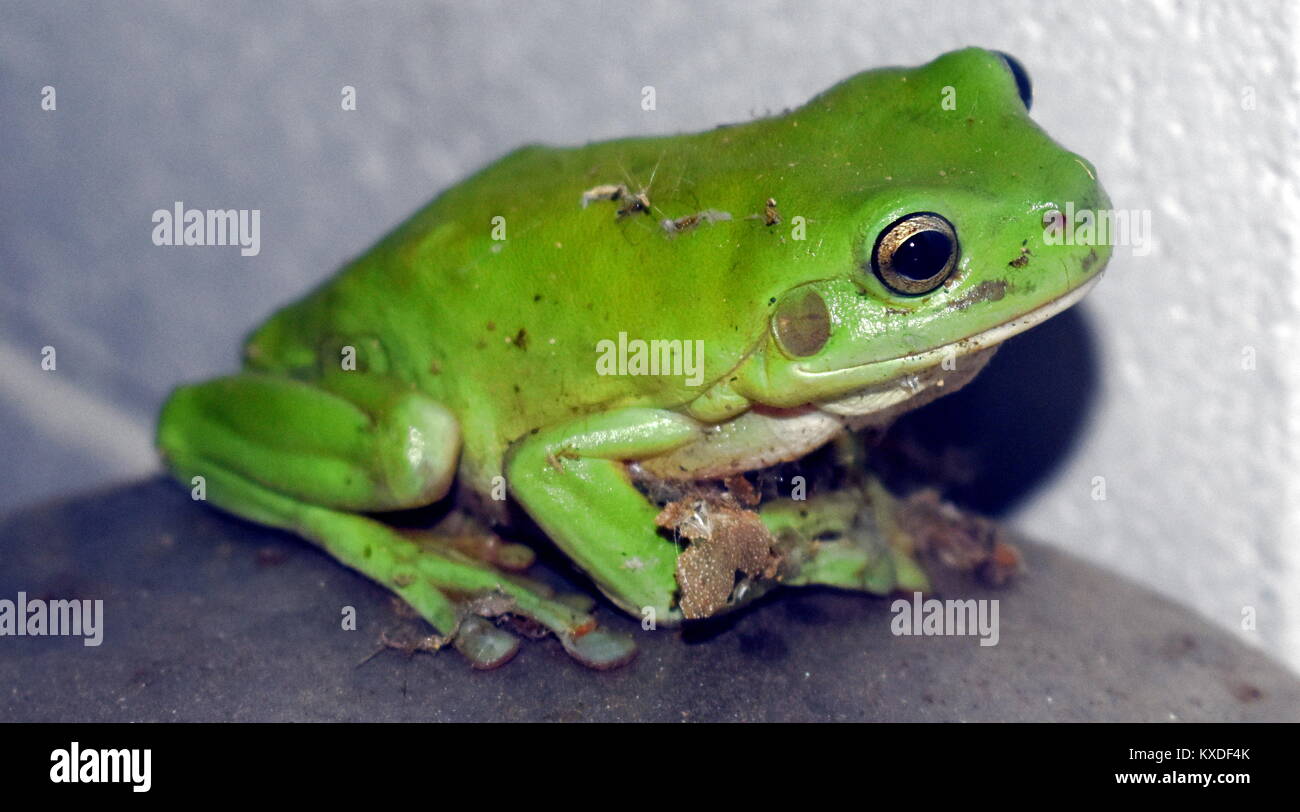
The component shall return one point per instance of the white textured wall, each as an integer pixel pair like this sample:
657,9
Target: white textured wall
232,104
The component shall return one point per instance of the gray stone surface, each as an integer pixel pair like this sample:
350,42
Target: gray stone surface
211,618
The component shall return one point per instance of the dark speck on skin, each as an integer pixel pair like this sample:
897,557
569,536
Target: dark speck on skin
1090,260
990,291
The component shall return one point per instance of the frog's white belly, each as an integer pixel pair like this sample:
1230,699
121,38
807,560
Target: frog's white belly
764,436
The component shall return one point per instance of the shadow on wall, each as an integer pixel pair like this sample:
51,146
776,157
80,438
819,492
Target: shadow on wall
991,444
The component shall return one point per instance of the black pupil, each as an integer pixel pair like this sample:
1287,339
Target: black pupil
923,255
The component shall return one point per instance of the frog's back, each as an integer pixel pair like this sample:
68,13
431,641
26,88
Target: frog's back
493,297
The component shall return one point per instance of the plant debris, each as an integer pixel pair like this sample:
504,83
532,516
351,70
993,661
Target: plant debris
691,221
1022,260
726,537
771,216
959,540
628,203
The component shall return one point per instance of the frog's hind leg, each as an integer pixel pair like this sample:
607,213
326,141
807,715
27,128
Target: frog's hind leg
382,447
294,456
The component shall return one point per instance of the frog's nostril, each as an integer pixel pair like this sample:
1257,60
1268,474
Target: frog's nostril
1023,86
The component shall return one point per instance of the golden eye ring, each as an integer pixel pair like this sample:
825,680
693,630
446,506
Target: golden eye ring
916,253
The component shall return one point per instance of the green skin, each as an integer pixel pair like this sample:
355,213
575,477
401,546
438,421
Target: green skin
476,357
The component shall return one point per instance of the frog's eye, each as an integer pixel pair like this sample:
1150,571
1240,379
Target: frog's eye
1023,87
916,253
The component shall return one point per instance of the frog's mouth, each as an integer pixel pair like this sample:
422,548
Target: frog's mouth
972,344
879,404
939,373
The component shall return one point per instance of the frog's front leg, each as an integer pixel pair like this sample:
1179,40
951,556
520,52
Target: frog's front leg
296,456
572,480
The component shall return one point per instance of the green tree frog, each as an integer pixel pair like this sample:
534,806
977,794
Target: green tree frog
570,331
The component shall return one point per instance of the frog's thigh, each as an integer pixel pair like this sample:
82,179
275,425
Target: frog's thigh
571,480
383,447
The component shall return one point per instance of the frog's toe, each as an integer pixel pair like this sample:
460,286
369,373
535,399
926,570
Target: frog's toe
600,648
494,606
485,645
536,613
